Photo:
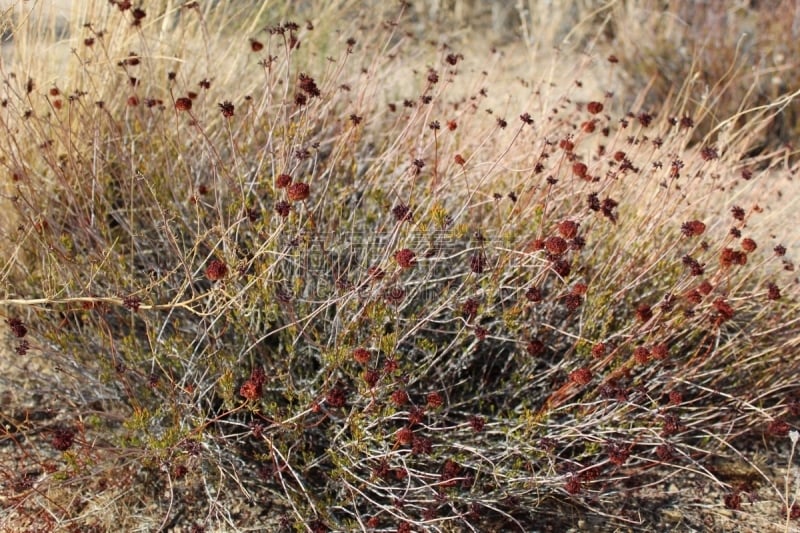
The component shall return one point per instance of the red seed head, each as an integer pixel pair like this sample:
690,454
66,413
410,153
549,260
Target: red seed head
297,192
405,258
749,245
580,170
568,229
581,376
594,107
183,104
216,270
283,181
399,397
556,245
361,355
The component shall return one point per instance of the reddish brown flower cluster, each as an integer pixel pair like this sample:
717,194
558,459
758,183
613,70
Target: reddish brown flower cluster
555,245
598,350
252,388
216,270
533,294
283,181
693,228
402,212
470,308
581,376
183,104
773,292
477,423
399,397
581,170
729,257
405,258
778,428
568,229
404,436
535,347
450,470
724,311
361,355
63,439
297,192
336,397
283,208
573,485
618,453
675,397
594,107
644,313
672,425
749,245
370,377
641,354
660,351
17,327
434,400
227,109
308,85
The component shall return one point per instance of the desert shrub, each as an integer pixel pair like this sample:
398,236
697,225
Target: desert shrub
317,265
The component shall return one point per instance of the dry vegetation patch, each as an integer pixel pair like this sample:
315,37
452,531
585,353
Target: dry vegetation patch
324,268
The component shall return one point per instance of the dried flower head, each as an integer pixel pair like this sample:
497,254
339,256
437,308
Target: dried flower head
572,301
434,400
533,294
297,192
63,439
283,208
308,85
535,347
675,397
370,377
749,245
183,104
618,453
568,229
250,390
556,245
283,181
660,351
361,355
580,170
402,212
644,313
598,350
227,108
17,327
216,270
693,228
573,485
404,436
778,428
641,354
336,397
594,107
399,397
773,292
477,423
581,376
405,258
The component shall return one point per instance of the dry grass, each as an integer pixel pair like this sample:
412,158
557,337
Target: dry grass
346,269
